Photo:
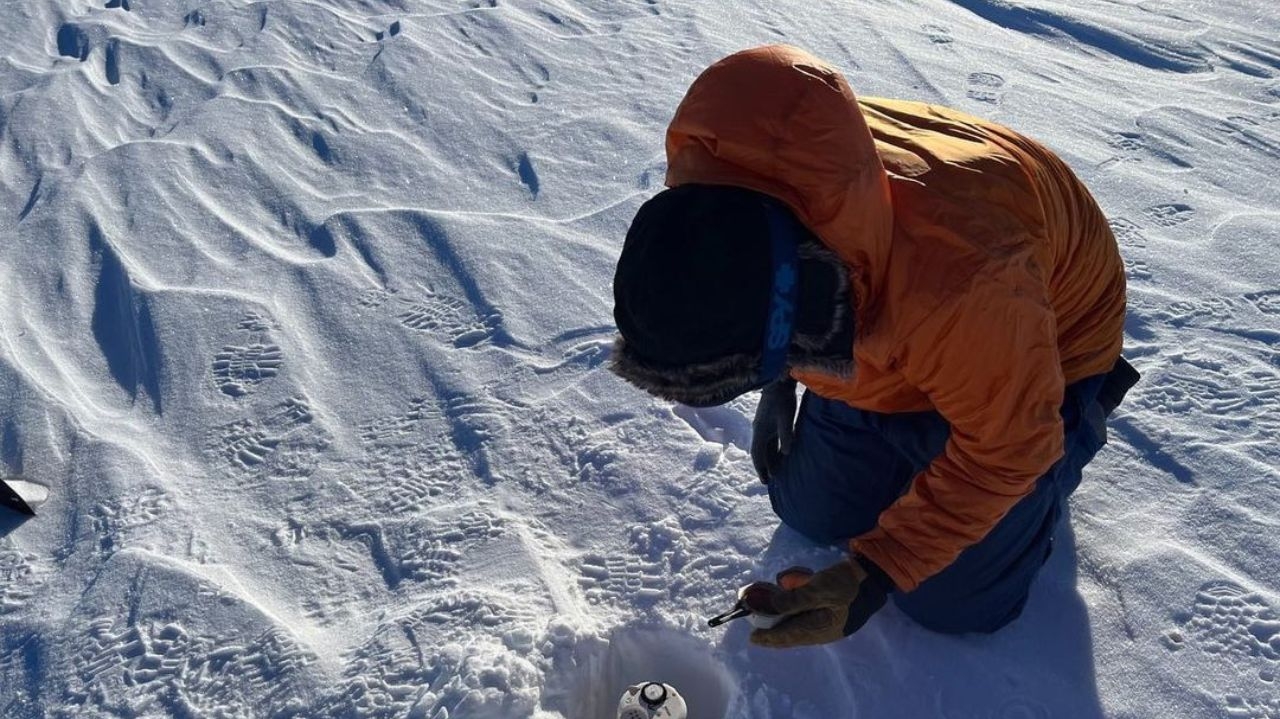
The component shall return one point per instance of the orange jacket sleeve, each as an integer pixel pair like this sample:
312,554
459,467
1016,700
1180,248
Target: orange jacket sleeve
988,361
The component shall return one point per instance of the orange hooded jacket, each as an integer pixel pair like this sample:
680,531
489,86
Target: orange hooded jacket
985,276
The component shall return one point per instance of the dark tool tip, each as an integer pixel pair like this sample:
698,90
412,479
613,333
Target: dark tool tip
737,612
10,499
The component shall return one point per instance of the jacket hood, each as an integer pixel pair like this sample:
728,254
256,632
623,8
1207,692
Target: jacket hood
780,121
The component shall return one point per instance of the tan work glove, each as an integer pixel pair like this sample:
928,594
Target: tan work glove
831,605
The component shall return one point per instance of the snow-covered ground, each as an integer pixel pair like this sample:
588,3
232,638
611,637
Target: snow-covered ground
304,321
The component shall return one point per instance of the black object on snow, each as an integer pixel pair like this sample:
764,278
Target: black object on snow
10,499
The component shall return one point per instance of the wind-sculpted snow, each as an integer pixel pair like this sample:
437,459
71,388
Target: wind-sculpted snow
1159,38
122,325
305,334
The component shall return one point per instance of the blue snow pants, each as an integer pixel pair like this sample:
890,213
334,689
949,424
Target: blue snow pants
848,465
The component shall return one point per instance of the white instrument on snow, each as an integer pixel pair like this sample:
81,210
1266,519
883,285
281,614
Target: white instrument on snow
652,700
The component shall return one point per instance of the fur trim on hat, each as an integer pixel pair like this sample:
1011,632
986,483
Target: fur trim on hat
698,385
811,352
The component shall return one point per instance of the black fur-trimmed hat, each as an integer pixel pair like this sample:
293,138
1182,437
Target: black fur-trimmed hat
692,293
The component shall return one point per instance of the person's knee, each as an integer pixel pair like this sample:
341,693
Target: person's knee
829,498
802,505
973,616
813,531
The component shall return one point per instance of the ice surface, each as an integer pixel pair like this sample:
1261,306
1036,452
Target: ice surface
306,318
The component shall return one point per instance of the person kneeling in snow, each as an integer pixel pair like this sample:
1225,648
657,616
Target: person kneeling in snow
947,291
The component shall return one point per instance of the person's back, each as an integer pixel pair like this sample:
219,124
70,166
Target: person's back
968,194
1087,280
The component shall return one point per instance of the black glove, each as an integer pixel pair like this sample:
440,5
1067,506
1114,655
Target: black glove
773,428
